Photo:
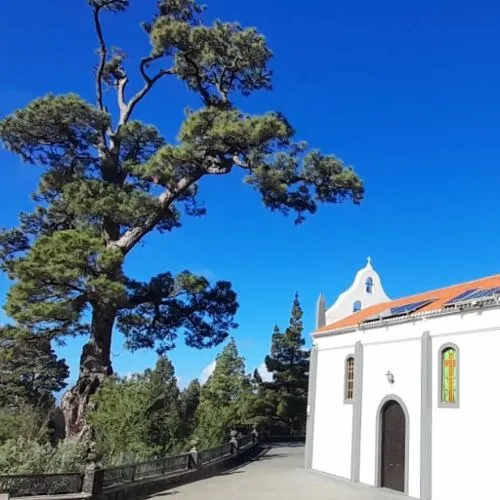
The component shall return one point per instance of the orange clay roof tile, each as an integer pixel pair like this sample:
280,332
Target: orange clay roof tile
439,298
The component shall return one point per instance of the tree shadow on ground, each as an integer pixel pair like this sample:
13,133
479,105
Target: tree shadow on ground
261,456
162,494
284,444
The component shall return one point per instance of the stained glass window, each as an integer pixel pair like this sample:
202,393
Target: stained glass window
449,369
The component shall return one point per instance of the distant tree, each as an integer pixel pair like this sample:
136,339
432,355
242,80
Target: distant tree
29,370
257,377
138,415
224,398
118,418
162,413
110,180
189,402
26,422
284,399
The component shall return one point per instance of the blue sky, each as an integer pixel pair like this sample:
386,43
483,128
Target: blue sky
406,92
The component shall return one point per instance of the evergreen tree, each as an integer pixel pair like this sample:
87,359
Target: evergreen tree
162,414
163,411
118,419
110,180
224,398
139,415
189,402
29,370
284,400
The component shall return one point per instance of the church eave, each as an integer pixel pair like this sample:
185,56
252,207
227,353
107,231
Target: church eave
487,304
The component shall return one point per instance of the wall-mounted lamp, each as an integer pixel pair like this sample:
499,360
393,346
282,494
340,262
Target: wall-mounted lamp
390,377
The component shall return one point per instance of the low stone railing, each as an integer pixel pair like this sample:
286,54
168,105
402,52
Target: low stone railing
114,476
43,484
99,482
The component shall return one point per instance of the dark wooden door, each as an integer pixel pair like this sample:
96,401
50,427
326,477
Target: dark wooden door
393,447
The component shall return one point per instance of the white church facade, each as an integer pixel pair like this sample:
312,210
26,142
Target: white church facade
404,394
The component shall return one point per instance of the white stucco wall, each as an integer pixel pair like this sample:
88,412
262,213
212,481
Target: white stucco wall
466,440
333,418
343,306
398,351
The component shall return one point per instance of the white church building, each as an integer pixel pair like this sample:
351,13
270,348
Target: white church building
404,394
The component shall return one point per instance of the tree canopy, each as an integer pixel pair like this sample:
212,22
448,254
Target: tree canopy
108,180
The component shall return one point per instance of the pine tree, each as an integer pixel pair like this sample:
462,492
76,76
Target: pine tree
29,370
138,415
109,180
162,413
224,398
284,400
189,402
118,419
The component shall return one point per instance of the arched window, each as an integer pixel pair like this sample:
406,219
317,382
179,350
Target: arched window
449,371
356,306
349,379
369,285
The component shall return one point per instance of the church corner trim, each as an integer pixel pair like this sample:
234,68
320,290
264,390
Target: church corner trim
311,407
426,418
357,412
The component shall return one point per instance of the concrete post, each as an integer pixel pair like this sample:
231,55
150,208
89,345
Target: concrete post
94,475
93,480
234,442
193,459
255,434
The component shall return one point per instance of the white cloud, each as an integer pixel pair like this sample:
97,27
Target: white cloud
266,376
207,371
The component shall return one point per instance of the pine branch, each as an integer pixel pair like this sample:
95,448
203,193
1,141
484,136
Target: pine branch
148,85
122,83
127,241
103,51
207,99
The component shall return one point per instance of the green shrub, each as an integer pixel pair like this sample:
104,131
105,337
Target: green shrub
24,421
22,456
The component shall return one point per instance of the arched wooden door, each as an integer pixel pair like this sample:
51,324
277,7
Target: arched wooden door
393,446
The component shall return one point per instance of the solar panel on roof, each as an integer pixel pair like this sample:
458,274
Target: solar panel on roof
399,310
461,297
408,308
483,294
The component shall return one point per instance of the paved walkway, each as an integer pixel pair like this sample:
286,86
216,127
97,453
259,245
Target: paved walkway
277,475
